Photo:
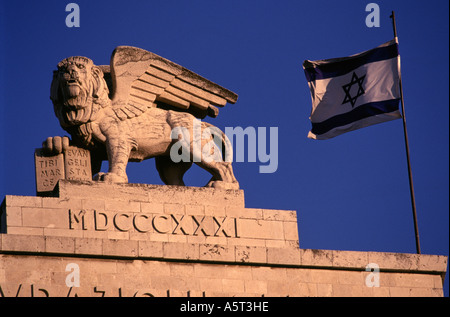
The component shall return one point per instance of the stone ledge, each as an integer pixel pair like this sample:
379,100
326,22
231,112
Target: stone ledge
216,253
67,189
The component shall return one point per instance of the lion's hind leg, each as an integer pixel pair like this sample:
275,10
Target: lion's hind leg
171,173
223,176
215,159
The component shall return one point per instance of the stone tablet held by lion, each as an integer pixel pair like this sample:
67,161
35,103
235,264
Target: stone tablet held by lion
141,106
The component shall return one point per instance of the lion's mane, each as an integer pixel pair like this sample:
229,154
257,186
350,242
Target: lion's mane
96,92
83,108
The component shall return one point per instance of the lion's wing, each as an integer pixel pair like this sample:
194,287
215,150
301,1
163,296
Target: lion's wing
142,79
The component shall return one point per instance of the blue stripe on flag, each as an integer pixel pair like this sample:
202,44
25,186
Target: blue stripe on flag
341,66
361,112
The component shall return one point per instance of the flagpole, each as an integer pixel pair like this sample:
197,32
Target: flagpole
411,187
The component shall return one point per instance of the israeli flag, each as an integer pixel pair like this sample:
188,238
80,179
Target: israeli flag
354,92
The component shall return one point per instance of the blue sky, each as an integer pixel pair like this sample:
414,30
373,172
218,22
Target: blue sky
350,192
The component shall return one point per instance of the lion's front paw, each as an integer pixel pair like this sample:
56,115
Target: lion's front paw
55,145
110,178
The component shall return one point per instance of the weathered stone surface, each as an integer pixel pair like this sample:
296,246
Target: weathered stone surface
121,268
190,197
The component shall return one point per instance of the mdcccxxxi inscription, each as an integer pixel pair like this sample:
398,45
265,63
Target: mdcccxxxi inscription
193,225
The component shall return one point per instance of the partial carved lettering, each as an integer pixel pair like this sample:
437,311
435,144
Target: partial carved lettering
180,221
200,227
157,224
100,221
76,218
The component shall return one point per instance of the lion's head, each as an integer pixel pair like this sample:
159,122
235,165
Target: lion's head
78,91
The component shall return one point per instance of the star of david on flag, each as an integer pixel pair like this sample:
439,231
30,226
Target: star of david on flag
354,92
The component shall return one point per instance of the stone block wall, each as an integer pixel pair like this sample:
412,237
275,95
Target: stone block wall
149,240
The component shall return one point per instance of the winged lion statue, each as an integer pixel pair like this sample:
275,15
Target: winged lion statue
128,111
